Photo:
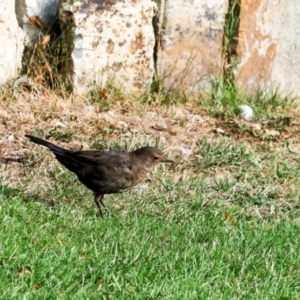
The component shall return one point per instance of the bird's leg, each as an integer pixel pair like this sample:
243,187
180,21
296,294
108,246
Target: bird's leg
99,201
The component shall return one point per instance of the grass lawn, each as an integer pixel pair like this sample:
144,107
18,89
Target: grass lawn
222,223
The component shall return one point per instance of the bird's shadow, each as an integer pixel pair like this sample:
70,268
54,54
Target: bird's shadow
33,197
55,203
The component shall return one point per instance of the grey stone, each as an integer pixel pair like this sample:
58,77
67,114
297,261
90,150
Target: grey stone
114,42
190,50
269,46
11,42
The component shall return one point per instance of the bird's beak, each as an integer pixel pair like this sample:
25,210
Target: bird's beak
168,160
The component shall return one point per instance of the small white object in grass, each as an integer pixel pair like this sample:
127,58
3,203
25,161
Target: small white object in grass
58,123
23,80
186,151
247,112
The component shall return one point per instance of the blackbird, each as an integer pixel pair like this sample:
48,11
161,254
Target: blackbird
106,172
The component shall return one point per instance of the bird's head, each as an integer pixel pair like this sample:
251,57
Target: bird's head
151,156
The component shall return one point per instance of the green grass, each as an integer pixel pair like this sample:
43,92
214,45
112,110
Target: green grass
195,255
225,226
225,98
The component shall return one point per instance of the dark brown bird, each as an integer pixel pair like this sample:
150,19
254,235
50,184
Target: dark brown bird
106,172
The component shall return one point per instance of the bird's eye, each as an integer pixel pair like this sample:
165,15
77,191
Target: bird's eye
155,157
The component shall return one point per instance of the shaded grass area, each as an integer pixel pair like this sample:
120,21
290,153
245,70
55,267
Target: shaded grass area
223,224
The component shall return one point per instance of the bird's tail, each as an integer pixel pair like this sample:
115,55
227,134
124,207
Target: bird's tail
55,149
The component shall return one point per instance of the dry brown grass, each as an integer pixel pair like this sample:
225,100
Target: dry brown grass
127,125
76,122
44,110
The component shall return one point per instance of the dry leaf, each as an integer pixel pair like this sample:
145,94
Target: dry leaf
24,271
159,128
58,123
272,132
119,207
288,135
37,21
219,130
191,104
100,281
256,126
45,40
229,218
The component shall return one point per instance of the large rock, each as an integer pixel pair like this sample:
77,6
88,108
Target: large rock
269,46
190,51
11,42
114,42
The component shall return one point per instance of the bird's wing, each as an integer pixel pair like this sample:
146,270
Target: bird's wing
96,158
102,164
107,172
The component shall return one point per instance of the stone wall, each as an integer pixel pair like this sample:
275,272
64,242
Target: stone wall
190,45
133,42
269,46
11,42
114,42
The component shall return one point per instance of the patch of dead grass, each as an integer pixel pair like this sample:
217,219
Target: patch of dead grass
125,125
128,124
